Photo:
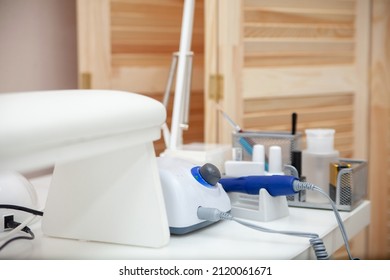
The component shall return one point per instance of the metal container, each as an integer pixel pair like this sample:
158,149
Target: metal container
287,141
350,189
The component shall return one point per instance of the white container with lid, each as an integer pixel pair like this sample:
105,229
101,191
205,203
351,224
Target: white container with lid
316,159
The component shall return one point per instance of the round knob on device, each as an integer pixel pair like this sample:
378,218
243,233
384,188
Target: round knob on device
210,173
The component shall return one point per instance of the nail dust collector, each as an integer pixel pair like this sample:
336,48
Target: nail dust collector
105,184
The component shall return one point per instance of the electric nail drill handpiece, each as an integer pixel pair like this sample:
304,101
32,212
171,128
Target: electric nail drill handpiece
276,185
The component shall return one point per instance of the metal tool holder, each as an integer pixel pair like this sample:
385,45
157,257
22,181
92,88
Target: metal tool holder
287,141
351,188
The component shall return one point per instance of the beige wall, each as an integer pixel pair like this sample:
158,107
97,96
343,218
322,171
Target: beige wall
37,45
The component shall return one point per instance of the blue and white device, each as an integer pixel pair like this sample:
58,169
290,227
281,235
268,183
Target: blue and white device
186,187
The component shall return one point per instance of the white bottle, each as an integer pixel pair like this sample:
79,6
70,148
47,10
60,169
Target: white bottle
316,160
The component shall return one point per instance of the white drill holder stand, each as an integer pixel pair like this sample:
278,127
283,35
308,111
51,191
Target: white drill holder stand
262,207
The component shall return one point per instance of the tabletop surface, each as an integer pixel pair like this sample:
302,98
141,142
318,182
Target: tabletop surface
226,240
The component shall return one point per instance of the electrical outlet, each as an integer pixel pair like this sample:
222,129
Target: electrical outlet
5,220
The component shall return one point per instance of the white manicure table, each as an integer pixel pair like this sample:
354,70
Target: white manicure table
223,240
95,137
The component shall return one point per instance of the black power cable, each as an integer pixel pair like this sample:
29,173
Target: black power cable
21,208
12,224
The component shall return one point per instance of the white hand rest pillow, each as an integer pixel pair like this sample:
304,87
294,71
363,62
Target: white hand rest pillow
38,128
105,185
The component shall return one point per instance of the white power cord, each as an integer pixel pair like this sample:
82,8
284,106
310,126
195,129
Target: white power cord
214,215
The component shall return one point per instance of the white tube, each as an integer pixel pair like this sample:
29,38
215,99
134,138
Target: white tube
258,153
275,160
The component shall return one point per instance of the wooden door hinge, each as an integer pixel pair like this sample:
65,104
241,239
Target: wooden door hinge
216,87
85,81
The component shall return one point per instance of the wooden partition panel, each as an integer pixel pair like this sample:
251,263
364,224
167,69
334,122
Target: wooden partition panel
294,52
144,35
283,56
379,245
128,45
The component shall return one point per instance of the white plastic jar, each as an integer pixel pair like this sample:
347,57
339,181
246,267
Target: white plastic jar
316,160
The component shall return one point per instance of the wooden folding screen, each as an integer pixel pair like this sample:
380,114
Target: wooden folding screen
128,45
273,58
